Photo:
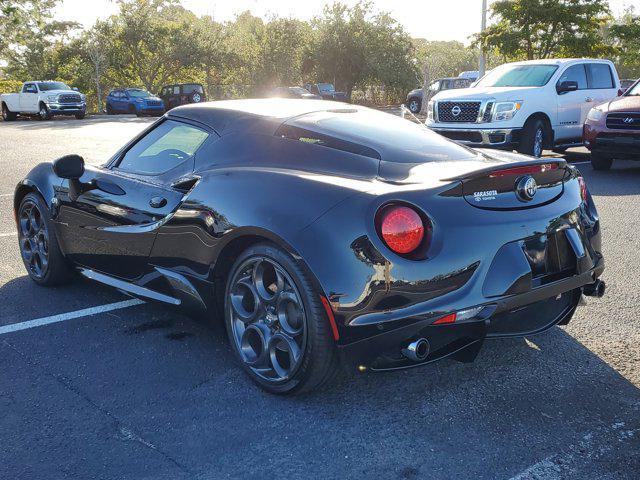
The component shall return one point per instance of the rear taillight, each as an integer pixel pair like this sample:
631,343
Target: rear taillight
401,228
583,189
538,168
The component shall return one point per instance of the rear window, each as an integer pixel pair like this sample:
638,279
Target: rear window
600,75
374,134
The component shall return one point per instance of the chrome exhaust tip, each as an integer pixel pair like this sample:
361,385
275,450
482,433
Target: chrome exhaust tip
417,350
595,289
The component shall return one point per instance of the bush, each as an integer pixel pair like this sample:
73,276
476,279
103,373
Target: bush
10,86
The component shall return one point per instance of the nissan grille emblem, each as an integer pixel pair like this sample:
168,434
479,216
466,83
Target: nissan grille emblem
456,110
526,188
628,120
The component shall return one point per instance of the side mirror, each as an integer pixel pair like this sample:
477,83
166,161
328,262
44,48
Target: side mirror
75,89
566,86
70,167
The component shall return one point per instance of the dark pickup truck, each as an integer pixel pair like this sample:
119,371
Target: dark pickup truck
327,91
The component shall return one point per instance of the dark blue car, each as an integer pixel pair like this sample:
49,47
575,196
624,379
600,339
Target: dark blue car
134,100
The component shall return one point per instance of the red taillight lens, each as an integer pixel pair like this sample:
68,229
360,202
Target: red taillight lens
401,228
539,168
583,189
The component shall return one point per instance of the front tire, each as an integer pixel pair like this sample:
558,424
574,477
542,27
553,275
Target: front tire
600,162
39,247
276,323
534,138
80,116
414,105
44,113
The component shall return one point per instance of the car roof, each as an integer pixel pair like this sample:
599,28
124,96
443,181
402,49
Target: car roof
265,114
560,61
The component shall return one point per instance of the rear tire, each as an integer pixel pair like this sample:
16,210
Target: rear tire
38,243
8,115
600,162
284,343
534,138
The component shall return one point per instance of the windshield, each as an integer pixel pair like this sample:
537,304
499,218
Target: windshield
46,86
518,76
326,87
635,91
138,93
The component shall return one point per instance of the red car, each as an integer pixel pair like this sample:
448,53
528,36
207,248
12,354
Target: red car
612,130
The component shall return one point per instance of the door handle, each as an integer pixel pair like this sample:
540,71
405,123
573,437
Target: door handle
588,99
158,202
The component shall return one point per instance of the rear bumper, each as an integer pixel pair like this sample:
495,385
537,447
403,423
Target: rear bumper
518,315
502,138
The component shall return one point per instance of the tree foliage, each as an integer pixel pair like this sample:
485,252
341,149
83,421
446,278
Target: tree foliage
529,29
625,36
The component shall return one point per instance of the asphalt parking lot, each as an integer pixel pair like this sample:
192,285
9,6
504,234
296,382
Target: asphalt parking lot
143,392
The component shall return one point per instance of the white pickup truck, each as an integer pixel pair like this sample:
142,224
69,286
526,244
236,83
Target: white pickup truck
525,106
44,99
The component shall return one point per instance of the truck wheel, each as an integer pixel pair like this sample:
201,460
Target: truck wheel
44,113
534,138
80,116
7,115
414,105
600,162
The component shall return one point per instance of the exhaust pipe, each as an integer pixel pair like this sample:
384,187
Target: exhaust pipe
417,350
595,289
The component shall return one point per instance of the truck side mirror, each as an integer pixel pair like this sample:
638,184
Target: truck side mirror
566,86
75,89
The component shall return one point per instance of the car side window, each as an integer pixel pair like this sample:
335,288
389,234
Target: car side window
176,90
600,75
30,88
575,73
165,147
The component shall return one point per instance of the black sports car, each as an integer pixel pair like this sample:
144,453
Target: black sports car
322,233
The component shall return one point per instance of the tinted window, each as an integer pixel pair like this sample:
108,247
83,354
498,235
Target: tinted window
192,88
600,75
30,88
176,90
518,76
315,138
163,148
575,73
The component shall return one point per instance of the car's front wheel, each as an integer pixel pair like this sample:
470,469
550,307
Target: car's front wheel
276,322
414,105
534,138
39,247
44,113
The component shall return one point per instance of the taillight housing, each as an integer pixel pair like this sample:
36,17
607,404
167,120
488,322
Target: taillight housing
583,188
403,229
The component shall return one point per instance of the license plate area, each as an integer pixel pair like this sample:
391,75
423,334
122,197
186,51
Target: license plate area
550,256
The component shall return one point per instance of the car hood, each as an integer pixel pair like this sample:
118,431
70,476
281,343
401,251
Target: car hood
485,93
57,92
630,103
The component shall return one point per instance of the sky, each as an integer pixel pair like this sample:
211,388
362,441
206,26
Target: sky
430,19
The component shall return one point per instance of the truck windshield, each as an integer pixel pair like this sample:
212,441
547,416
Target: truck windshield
518,76
46,86
138,93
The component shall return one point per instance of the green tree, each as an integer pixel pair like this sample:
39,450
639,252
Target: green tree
29,36
625,35
529,29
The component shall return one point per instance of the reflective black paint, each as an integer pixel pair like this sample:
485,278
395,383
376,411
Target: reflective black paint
248,184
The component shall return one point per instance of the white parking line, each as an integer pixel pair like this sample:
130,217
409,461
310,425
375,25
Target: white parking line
6,194
8,234
63,317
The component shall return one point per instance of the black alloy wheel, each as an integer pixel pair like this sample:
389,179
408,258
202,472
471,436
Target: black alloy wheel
276,323
39,248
